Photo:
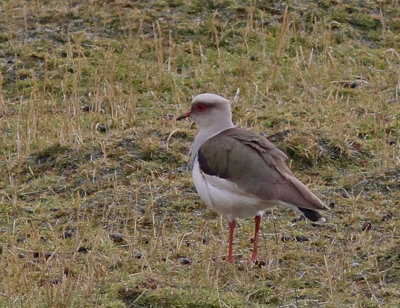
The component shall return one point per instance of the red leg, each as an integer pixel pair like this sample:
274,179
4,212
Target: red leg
254,257
231,229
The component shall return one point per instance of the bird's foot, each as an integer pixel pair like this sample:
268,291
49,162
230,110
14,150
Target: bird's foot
254,258
229,260
249,263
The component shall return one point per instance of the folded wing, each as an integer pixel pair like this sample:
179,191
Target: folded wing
257,167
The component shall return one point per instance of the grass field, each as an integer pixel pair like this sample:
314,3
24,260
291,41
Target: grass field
97,204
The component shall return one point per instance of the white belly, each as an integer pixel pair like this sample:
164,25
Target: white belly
226,197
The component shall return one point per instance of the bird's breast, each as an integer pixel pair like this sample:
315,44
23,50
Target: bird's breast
225,196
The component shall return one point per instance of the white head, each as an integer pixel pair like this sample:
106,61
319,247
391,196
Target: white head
210,112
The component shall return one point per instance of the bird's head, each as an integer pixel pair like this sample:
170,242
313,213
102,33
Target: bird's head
209,110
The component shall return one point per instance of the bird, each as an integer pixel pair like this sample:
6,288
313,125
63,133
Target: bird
239,173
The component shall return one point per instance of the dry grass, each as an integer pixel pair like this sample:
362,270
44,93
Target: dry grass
97,203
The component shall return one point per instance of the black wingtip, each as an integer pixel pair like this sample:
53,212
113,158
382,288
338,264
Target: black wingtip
312,215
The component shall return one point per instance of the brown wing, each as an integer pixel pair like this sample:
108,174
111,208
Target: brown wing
257,166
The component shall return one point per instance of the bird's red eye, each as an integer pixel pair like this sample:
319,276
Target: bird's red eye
201,107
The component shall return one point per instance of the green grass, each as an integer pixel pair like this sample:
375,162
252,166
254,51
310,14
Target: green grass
97,204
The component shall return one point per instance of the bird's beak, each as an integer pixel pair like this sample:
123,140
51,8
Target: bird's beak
184,116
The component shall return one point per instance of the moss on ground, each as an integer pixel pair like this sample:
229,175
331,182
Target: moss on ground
97,204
